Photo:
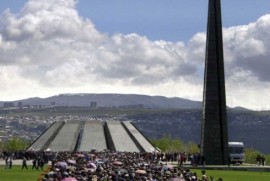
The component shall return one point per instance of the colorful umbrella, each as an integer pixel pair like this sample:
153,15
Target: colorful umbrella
167,167
176,179
70,179
117,163
91,165
140,171
80,155
121,170
61,164
72,162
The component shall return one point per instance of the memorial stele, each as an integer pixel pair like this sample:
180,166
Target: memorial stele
214,133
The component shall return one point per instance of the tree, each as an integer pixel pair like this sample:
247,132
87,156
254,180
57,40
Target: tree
250,155
192,148
167,144
2,145
16,144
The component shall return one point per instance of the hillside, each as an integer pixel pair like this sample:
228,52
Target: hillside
251,127
112,100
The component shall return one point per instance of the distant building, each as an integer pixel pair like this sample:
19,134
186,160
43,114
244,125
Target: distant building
27,106
135,106
20,104
93,104
8,104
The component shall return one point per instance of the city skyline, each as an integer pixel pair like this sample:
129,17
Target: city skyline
65,46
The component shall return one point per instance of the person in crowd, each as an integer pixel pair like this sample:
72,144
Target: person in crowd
6,162
41,163
262,160
204,176
34,166
203,161
258,159
10,162
24,163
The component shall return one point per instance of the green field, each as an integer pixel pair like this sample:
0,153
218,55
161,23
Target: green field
17,174
236,175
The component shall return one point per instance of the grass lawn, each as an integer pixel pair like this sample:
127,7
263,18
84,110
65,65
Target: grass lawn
236,175
17,174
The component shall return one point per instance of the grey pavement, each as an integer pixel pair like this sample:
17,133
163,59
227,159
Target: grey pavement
245,167
17,162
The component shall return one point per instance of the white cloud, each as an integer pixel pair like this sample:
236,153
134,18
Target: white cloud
247,63
49,47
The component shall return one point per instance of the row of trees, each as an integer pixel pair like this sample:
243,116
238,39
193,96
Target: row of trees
168,144
14,144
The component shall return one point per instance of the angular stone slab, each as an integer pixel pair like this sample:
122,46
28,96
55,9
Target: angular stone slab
67,137
145,144
93,137
120,137
44,140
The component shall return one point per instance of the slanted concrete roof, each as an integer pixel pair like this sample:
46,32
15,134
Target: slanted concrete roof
93,137
143,141
66,138
120,137
44,139
89,135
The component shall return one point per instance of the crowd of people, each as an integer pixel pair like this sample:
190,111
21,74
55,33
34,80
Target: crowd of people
260,159
111,166
117,166
39,159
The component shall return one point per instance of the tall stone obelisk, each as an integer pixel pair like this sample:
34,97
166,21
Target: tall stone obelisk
214,139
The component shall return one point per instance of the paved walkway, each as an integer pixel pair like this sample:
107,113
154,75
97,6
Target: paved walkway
244,167
207,167
238,168
17,162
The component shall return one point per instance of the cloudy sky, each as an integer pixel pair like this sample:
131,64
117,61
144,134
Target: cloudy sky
153,47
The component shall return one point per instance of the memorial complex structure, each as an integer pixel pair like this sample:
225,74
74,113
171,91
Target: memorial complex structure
214,138
92,135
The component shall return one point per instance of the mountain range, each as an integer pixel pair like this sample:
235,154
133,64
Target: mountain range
111,100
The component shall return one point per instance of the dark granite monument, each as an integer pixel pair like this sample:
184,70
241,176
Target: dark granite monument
214,139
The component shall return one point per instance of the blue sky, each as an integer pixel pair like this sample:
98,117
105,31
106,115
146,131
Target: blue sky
172,20
152,47
176,20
